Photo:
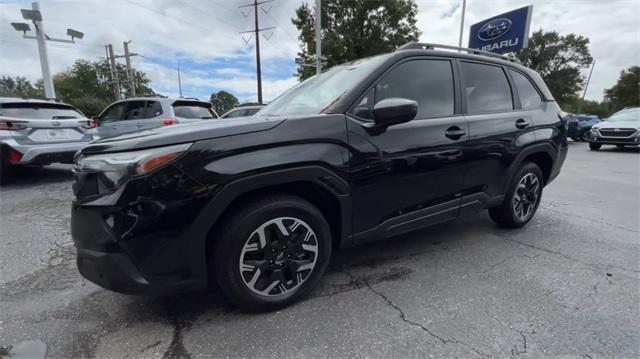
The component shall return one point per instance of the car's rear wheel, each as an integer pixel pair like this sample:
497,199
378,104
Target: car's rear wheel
594,146
270,252
522,198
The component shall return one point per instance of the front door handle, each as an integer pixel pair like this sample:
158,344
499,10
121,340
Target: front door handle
139,124
521,123
454,132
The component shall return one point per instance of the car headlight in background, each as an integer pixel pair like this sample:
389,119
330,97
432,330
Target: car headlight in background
118,167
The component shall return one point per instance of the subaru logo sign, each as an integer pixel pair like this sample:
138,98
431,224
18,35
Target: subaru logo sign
503,33
494,29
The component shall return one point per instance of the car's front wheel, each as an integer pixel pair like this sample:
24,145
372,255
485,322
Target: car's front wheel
594,146
522,198
271,252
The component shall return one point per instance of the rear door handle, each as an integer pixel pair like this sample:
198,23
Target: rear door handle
139,124
454,132
521,123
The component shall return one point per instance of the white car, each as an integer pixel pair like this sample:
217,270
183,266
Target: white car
621,129
39,132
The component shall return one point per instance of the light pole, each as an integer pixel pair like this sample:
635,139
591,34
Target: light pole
36,18
464,8
318,37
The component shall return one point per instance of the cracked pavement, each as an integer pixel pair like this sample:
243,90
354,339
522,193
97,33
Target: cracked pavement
566,285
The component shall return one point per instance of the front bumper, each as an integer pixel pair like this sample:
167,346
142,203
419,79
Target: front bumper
626,141
45,153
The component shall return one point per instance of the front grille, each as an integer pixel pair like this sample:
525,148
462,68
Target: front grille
617,132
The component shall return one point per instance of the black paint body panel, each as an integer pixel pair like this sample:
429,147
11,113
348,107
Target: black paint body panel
384,184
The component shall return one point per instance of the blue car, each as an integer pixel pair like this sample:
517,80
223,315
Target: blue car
580,126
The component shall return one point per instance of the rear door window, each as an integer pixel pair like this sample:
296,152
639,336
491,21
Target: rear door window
486,88
529,96
193,110
39,111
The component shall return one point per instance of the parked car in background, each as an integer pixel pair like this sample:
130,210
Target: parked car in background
39,132
144,113
620,129
579,126
363,151
242,111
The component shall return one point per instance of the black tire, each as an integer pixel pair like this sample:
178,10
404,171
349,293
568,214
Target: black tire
594,146
575,139
239,230
507,215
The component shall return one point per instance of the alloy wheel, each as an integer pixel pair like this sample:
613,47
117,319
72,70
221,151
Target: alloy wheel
278,256
526,196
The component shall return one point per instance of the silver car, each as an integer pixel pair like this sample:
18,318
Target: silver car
144,113
39,132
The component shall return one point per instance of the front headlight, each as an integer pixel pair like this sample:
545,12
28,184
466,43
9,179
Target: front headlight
117,167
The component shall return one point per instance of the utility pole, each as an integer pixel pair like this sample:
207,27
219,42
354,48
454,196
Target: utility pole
179,82
464,8
586,86
318,16
36,18
131,78
115,81
256,32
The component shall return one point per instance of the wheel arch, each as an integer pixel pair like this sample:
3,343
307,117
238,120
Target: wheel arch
541,154
320,186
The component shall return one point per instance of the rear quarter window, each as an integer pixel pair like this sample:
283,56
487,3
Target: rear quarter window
529,96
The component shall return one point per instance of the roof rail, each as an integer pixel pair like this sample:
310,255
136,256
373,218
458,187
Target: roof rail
427,46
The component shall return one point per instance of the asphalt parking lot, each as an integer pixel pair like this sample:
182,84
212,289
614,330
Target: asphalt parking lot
566,285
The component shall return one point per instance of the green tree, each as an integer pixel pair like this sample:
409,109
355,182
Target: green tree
18,87
626,91
353,29
559,60
223,101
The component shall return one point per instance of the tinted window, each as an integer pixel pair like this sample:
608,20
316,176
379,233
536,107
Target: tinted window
428,82
486,88
529,97
114,113
136,110
193,110
153,109
38,111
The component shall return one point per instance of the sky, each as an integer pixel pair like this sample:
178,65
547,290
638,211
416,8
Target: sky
204,38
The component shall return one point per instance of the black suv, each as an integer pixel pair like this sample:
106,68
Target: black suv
364,151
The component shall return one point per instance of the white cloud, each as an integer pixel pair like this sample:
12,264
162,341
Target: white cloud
207,32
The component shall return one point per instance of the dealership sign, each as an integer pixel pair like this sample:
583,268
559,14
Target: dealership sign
503,33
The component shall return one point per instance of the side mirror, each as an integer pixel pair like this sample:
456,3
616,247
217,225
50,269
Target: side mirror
392,111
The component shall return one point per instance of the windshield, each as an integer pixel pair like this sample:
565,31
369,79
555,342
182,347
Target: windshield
39,111
626,115
315,94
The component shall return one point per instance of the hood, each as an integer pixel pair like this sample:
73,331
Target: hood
183,133
617,124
